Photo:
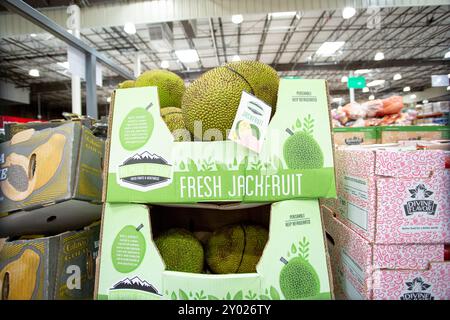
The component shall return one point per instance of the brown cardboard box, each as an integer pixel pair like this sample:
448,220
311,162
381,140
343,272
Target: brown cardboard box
51,180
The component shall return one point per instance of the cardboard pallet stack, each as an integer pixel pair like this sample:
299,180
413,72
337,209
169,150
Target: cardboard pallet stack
389,228
50,184
154,184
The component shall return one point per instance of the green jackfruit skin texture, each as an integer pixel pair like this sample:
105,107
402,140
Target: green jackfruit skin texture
181,251
301,151
170,86
214,98
174,120
236,248
126,84
299,280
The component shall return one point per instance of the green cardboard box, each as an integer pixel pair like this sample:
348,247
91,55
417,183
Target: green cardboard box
394,134
60,267
132,268
145,165
356,135
50,180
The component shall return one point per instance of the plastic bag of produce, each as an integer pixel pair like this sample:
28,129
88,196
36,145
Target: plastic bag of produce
391,105
373,107
355,110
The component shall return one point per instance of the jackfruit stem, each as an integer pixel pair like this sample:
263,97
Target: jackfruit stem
289,131
149,106
139,227
283,260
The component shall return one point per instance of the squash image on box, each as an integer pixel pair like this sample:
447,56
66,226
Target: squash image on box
50,177
215,252
18,278
59,267
146,164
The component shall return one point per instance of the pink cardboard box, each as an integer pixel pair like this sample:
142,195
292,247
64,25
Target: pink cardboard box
363,270
394,195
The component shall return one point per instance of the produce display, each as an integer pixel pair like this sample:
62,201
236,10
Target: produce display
213,98
378,112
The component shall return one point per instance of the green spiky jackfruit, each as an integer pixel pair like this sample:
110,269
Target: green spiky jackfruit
299,280
301,151
236,248
170,86
214,98
175,122
126,84
181,251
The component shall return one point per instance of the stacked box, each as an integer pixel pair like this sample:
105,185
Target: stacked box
202,186
388,228
394,195
356,135
366,270
394,134
51,180
58,267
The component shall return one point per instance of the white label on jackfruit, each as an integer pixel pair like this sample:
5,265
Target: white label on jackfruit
357,187
251,122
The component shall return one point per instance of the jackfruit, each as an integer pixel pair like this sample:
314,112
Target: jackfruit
170,86
301,151
180,251
298,279
236,248
213,99
126,84
174,120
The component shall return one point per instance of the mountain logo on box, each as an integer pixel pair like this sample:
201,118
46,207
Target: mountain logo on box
420,201
354,141
416,290
145,171
135,283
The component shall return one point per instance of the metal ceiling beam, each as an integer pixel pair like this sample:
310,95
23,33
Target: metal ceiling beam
154,11
224,47
189,36
266,27
214,40
47,24
287,38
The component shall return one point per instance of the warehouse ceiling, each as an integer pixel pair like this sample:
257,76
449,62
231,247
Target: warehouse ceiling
414,41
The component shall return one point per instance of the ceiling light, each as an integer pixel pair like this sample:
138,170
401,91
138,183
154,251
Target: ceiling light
348,12
237,18
406,89
165,64
344,79
64,64
286,14
187,56
447,55
371,97
236,58
129,28
397,76
412,97
33,35
362,71
329,48
448,88
379,56
337,100
365,90
375,83
108,99
425,101
34,72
